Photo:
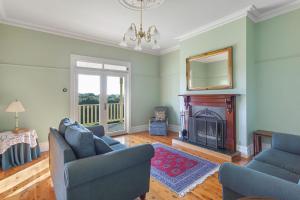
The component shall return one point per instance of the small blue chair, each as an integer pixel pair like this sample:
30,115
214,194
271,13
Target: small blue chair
158,125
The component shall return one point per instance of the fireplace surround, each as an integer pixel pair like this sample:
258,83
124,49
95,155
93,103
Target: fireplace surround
210,121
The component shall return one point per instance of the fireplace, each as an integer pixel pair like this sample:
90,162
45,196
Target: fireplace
210,121
207,127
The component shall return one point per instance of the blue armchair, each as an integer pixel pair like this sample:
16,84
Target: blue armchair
158,125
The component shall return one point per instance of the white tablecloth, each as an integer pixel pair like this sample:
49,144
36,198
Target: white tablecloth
8,139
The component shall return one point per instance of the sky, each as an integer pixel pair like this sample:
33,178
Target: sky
91,84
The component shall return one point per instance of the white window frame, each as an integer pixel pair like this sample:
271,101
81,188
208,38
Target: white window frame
73,72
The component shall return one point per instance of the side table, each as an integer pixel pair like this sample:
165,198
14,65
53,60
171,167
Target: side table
257,143
18,148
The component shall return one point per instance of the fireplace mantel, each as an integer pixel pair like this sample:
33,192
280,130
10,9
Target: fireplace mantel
216,100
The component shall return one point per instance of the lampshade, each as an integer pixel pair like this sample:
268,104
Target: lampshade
131,32
123,43
15,106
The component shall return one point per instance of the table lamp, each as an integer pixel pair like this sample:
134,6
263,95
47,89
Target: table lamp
15,107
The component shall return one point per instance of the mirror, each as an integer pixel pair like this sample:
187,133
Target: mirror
210,71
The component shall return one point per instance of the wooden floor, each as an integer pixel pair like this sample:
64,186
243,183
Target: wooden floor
32,181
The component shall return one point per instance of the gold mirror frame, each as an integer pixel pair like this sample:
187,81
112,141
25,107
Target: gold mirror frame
208,54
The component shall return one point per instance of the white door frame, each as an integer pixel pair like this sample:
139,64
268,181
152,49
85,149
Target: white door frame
73,87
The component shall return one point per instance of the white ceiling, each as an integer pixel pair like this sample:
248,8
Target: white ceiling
107,20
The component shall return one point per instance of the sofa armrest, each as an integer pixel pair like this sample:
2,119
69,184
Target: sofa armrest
88,169
248,182
286,142
97,130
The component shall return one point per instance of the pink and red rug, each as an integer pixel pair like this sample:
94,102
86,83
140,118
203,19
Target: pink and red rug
179,171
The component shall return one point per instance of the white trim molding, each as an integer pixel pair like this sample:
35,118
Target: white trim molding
169,50
286,8
64,33
217,23
174,128
102,74
44,146
251,11
246,151
140,128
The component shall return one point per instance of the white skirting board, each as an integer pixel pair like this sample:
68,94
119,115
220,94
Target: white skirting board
140,128
44,146
135,129
174,128
247,151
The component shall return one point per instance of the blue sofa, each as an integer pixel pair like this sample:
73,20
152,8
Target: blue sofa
273,173
122,174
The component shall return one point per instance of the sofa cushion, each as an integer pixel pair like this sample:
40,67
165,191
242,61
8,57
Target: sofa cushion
158,124
64,123
273,171
117,147
286,142
81,140
160,115
101,146
109,140
97,130
281,159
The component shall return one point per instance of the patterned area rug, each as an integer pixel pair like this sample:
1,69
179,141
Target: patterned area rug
179,171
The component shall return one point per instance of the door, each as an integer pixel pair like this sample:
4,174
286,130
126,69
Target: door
115,103
101,98
89,101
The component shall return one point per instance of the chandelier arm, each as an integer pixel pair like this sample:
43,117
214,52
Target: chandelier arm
147,38
135,32
151,28
133,39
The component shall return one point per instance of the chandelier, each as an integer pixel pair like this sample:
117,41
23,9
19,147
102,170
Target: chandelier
136,33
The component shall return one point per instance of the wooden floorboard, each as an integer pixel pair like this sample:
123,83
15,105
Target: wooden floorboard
32,181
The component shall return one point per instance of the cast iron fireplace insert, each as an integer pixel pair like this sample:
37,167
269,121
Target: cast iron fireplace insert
207,128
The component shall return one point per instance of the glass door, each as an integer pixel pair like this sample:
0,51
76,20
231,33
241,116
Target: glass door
89,98
100,93
101,99
115,104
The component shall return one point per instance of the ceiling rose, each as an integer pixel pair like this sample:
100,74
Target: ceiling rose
136,4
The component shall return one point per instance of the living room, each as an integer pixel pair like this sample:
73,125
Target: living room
76,67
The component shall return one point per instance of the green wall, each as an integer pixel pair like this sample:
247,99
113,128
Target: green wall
250,79
232,34
266,71
34,68
277,59
169,84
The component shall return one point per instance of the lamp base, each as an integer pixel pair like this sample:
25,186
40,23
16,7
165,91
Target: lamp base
20,130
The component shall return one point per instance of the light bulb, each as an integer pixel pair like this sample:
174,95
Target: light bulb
131,32
138,46
123,43
155,35
155,45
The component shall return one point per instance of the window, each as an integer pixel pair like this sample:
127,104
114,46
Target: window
89,65
115,67
93,65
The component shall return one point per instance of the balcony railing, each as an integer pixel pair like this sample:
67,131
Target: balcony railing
89,113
